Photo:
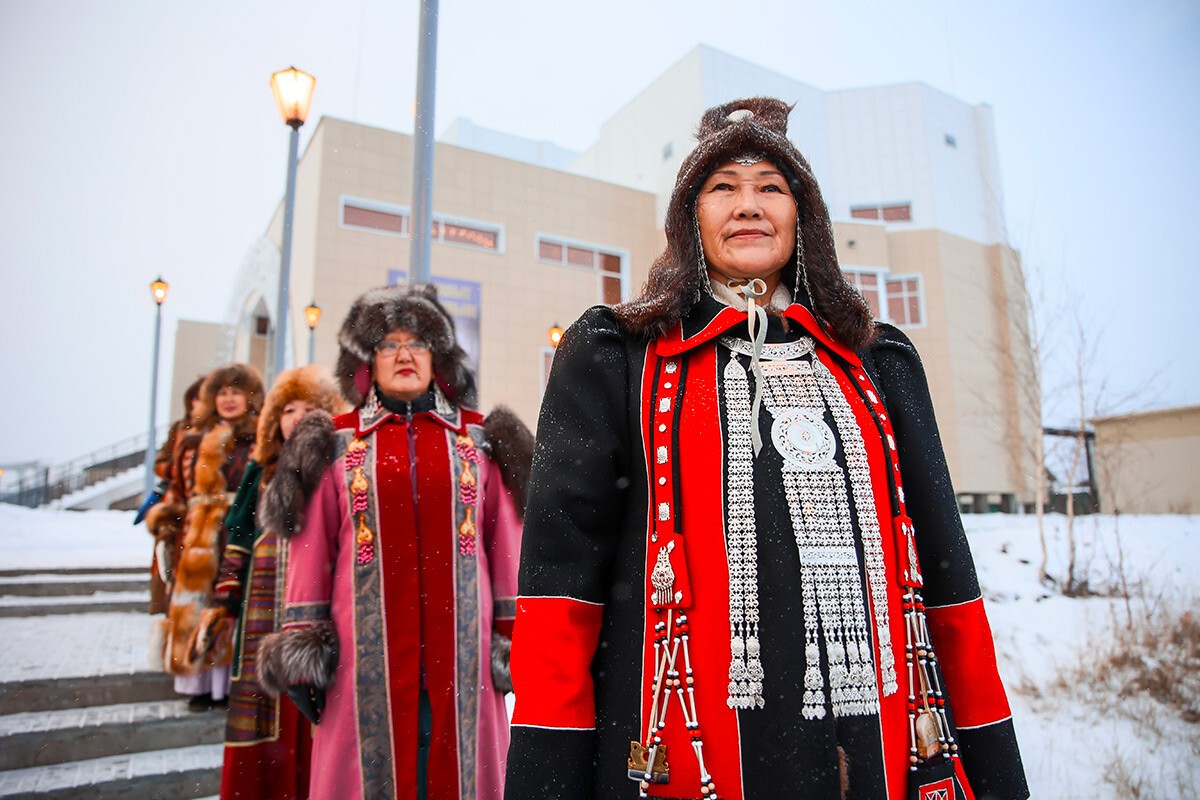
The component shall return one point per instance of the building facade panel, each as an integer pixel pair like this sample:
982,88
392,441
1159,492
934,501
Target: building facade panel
1149,462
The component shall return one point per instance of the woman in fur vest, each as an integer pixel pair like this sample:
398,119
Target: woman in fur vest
207,467
743,573
401,576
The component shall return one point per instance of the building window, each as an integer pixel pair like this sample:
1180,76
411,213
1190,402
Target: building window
668,150
869,284
897,300
608,264
479,235
904,301
375,217
891,212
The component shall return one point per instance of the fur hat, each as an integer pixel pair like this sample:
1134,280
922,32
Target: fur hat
242,376
416,309
313,384
758,126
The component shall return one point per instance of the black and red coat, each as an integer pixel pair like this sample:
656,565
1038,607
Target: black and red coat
582,654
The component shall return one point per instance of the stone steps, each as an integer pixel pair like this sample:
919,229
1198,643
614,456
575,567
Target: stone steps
46,592
187,772
42,738
120,732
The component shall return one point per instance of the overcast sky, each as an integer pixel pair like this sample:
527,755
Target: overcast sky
141,138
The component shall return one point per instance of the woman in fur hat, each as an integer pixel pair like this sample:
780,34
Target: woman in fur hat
401,579
206,469
267,741
744,574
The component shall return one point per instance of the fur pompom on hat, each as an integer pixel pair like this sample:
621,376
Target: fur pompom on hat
239,376
755,126
313,384
416,309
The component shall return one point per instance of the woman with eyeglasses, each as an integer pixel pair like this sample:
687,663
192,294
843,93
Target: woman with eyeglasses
401,578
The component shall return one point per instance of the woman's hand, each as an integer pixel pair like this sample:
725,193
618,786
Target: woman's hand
212,623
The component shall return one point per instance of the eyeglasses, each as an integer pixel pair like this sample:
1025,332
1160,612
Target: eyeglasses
389,348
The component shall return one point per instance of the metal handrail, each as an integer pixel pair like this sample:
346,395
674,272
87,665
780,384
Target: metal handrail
51,483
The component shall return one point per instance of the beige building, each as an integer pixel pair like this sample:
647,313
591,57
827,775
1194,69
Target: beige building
517,249
1149,462
912,181
521,243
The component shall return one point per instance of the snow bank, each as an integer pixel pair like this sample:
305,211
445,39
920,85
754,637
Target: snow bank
40,538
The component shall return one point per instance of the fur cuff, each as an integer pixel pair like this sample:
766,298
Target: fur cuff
501,676
165,514
511,446
300,656
305,456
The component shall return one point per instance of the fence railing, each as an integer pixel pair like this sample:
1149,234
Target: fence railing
50,483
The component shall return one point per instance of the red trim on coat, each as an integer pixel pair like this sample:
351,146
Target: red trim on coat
893,710
701,451
673,342
554,681
400,590
436,547
798,313
967,654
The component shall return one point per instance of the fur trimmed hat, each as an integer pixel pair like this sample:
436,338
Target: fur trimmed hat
314,384
416,309
241,376
754,126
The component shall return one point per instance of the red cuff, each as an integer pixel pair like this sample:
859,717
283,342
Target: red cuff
554,639
962,640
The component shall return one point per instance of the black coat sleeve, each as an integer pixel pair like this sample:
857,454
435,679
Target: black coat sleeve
578,489
989,750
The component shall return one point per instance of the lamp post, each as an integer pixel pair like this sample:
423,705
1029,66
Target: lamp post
158,290
422,194
554,334
312,315
293,91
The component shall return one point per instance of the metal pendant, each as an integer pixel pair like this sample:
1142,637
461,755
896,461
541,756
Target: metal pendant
639,756
804,439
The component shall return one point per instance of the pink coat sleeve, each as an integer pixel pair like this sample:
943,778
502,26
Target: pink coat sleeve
502,531
312,554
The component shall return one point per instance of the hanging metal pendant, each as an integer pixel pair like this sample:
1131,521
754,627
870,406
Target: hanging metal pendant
804,439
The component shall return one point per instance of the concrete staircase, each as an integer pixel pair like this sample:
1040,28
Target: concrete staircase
94,724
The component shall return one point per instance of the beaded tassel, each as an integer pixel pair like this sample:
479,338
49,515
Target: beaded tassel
671,640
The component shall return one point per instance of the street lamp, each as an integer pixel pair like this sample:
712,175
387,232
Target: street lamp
555,334
158,291
312,315
293,91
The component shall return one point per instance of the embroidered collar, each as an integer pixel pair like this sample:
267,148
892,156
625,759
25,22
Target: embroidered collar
435,404
710,318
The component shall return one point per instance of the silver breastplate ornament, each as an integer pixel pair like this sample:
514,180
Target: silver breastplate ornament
800,394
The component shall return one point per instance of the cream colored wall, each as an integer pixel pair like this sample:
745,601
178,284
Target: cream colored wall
195,356
966,346
1149,463
521,297
966,343
861,244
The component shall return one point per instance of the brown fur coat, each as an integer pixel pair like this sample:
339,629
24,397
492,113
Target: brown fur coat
220,459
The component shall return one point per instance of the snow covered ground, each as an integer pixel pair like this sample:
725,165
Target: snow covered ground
1105,693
